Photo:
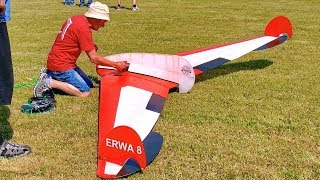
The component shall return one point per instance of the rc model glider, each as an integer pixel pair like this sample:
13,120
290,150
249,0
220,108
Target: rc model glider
130,102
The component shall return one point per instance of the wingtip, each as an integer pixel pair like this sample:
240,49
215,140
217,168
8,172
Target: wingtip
279,25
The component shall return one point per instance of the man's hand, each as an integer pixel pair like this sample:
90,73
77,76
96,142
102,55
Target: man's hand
2,7
122,66
98,60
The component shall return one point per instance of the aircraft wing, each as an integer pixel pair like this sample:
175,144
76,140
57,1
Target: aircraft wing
129,108
130,105
276,32
130,102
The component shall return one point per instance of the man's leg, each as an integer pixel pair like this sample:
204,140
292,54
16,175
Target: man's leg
119,5
69,82
82,3
6,72
134,5
68,88
46,83
6,87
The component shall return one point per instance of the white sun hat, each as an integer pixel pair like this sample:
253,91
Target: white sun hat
98,10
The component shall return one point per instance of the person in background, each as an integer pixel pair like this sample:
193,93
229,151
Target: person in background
82,4
7,149
75,36
134,5
69,2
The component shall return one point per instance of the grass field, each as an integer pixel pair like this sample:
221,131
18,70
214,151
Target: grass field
255,118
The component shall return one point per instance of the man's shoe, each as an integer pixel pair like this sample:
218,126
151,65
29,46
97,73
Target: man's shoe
82,5
8,150
135,8
118,8
41,86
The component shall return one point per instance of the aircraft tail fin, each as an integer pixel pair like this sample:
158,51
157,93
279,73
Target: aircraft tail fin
280,27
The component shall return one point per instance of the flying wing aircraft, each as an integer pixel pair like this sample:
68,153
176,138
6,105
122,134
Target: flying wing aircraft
130,102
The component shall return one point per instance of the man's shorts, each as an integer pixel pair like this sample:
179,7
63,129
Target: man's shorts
75,77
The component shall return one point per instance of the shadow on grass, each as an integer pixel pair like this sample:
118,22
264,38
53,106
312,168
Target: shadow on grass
121,7
95,79
234,67
115,7
5,128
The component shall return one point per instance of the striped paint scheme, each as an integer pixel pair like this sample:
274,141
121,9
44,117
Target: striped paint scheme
276,32
156,103
135,100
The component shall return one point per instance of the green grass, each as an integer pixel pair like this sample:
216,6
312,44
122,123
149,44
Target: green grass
255,118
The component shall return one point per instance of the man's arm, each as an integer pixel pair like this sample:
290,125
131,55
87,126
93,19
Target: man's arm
2,6
97,59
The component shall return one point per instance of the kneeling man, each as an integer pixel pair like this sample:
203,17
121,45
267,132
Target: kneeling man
75,36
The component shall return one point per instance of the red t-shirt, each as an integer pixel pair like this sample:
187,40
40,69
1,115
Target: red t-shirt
74,37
